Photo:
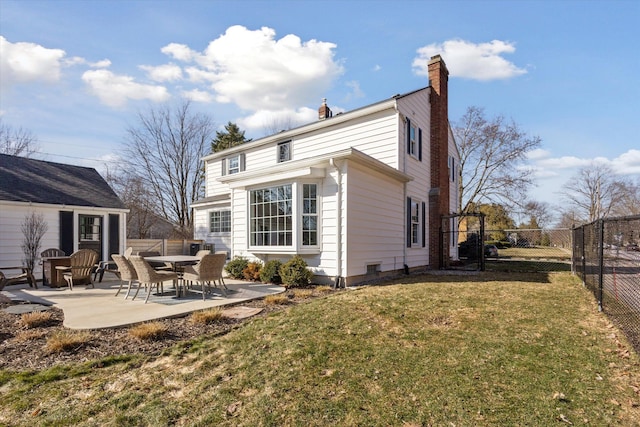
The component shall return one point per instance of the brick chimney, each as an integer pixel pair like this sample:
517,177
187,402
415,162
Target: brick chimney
324,112
439,192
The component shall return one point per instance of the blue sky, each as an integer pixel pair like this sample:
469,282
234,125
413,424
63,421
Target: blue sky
76,73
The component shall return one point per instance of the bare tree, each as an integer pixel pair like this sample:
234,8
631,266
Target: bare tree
17,141
491,155
34,228
629,203
278,124
593,192
538,213
164,151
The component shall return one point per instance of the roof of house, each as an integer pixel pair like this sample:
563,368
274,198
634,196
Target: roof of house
38,181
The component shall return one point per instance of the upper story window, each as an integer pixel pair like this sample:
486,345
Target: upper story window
284,151
220,221
414,140
233,164
452,168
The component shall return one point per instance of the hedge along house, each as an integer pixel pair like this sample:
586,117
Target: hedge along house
358,195
78,205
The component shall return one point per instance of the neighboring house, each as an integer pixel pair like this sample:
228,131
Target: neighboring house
359,195
80,208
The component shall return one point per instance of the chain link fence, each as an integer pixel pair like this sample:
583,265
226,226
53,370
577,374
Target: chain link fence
606,256
517,250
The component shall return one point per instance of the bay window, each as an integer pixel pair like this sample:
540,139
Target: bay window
284,216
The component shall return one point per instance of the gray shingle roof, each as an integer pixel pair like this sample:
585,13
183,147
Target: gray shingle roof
37,181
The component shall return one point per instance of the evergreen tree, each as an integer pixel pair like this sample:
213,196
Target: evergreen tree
230,138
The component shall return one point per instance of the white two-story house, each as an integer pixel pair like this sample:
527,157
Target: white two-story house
359,195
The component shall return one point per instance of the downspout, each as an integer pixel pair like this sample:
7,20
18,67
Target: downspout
402,150
339,277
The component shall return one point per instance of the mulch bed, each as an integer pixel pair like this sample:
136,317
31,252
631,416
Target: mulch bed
23,348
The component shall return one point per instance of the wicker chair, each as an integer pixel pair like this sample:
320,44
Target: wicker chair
148,276
126,272
207,271
82,264
202,252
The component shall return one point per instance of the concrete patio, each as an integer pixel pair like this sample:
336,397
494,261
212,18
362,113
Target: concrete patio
96,308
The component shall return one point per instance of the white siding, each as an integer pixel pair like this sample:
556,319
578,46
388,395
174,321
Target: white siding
12,216
375,220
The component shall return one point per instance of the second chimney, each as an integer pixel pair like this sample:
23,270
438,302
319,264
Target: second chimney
324,112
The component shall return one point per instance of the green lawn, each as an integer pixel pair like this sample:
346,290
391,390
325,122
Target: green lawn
477,350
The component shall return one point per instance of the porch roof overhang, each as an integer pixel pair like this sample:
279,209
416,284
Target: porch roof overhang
312,167
220,199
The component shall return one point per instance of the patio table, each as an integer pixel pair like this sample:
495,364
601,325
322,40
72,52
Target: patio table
176,262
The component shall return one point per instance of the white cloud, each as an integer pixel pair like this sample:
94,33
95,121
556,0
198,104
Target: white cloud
197,95
627,163
163,73
180,52
26,62
115,90
481,61
105,63
545,166
377,67
258,72
356,92
274,120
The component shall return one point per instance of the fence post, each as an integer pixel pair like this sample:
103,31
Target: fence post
600,263
584,257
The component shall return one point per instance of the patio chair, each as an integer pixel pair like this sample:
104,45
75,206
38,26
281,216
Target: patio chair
202,252
207,271
82,264
126,272
147,275
49,253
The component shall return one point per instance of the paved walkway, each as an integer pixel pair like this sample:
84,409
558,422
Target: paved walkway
100,308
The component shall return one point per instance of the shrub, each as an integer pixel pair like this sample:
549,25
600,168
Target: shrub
35,319
208,316
236,266
294,273
270,273
252,271
66,340
148,331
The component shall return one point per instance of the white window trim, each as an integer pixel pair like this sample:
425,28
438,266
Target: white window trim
236,169
413,142
220,233
296,214
415,238
288,144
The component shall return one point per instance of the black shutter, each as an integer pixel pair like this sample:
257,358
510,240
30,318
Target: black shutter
408,222
424,225
408,136
66,232
420,144
114,235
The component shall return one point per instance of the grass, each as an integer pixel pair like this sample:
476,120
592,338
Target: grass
35,319
66,341
148,331
479,350
208,316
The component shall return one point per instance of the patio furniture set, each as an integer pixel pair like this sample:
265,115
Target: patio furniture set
147,269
